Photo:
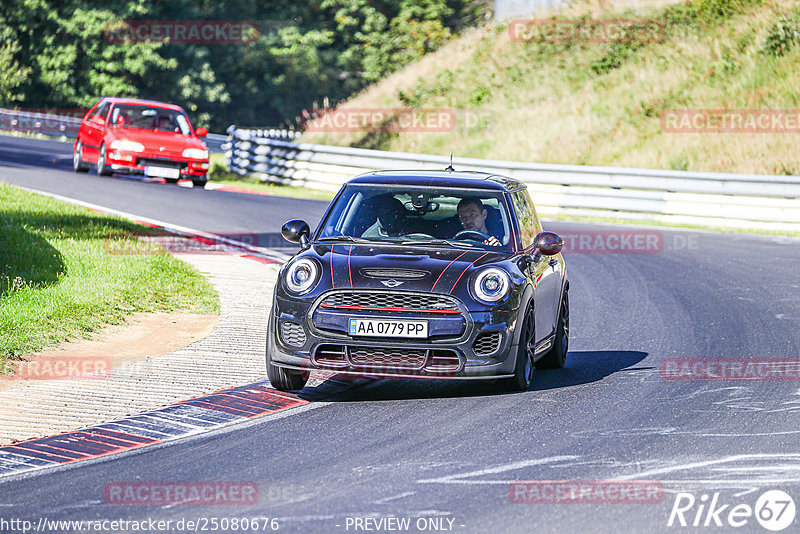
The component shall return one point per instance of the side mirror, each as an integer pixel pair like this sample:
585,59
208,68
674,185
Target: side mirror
201,132
296,231
548,243
121,120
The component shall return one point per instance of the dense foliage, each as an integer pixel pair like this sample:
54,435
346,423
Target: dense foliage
57,53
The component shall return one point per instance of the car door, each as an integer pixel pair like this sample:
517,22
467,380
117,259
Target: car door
542,273
93,130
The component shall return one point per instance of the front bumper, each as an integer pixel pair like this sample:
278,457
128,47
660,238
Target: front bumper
133,164
467,345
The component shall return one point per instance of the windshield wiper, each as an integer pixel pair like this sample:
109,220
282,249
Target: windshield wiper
343,238
454,244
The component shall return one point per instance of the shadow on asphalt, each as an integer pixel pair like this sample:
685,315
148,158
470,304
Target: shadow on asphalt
583,367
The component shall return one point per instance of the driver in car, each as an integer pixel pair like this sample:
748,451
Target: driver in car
472,216
164,123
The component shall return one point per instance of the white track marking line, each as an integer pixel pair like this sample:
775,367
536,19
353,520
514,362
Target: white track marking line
458,478
273,254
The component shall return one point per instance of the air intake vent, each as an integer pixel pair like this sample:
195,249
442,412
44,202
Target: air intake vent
486,343
387,357
292,334
404,274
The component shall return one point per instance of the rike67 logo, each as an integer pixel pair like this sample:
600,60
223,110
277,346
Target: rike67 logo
774,510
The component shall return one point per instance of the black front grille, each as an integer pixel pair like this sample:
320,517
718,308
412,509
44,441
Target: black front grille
162,162
386,359
486,343
383,357
391,300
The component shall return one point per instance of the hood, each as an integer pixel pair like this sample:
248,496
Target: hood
174,143
439,270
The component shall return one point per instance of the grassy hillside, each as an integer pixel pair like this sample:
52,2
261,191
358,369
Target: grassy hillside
601,104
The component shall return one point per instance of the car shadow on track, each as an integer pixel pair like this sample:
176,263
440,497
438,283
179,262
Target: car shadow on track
583,367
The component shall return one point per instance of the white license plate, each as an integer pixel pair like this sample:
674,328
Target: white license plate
162,172
388,328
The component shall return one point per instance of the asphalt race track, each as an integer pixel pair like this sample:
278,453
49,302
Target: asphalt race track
47,166
443,454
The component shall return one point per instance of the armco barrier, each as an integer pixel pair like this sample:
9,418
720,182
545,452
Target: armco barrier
675,197
66,126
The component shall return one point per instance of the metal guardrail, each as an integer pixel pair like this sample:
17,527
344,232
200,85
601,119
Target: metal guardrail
43,123
674,197
67,126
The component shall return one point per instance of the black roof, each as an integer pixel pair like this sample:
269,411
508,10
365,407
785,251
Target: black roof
461,179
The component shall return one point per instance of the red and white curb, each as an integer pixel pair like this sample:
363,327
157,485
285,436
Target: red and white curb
172,422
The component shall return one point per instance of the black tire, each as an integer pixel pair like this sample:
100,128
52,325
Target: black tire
172,180
78,165
102,168
556,357
285,379
523,370
200,183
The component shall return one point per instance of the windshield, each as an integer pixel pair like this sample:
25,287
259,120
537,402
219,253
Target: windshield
150,118
427,216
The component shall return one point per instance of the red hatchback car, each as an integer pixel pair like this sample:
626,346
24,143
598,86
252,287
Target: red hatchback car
141,137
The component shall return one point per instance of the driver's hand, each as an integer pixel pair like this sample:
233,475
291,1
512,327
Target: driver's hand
493,241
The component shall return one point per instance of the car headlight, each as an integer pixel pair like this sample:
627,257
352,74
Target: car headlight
301,276
129,146
491,285
195,153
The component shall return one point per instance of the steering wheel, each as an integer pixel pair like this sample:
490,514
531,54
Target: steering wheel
472,235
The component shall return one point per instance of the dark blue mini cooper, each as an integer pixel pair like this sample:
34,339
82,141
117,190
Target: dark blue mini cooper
422,274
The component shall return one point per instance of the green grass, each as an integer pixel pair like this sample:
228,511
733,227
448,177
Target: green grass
58,280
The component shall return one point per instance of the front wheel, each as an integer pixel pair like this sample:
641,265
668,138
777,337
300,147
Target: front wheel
556,357
102,168
200,182
523,370
78,164
285,379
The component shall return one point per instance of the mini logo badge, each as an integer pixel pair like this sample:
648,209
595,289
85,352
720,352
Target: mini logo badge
391,283
162,148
